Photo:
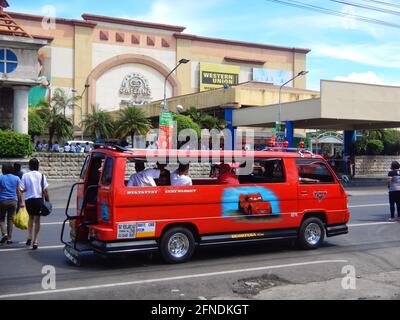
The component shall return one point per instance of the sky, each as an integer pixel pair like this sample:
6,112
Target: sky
342,48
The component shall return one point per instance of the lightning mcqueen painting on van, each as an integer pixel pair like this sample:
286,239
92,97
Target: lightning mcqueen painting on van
253,204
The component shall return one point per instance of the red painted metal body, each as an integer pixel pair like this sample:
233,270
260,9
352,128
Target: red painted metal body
206,207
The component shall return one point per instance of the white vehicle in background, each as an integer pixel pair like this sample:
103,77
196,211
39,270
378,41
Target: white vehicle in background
82,145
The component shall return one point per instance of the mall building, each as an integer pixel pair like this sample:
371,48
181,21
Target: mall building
123,62
113,62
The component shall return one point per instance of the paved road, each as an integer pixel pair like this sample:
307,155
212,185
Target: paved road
267,271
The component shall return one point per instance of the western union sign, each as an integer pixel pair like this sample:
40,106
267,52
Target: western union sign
214,76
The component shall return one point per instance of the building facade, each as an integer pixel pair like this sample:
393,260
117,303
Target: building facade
123,62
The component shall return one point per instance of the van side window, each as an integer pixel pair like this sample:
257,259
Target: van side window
106,179
312,171
266,171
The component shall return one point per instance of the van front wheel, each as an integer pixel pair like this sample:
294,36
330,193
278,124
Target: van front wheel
311,234
177,245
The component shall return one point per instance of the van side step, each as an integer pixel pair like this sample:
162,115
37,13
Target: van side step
337,230
126,246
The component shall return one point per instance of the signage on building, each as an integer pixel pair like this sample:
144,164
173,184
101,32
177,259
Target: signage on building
277,77
166,130
136,89
215,76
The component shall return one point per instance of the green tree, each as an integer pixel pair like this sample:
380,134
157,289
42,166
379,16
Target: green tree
205,121
99,124
391,140
375,147
132,121
36,124
185,122
376,134
64,101
56,122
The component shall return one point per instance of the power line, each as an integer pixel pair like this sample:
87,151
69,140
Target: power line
388,4
302,5
363,6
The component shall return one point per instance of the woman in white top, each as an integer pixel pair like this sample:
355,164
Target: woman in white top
181,177
34,185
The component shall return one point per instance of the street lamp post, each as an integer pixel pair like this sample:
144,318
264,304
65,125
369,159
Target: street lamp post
302,73
182,61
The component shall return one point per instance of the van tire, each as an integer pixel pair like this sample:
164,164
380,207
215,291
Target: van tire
177,245
311,234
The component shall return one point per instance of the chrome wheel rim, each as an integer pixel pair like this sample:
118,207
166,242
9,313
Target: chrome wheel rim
178,245
313,234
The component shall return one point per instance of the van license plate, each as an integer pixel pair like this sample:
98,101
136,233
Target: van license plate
126,231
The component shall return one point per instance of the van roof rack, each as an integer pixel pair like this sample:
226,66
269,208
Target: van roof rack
301,151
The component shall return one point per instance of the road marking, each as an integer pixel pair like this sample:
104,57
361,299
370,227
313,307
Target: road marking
371,224
192,276
369,205
27,248
52,223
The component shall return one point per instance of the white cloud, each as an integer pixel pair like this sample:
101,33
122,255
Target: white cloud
385,55
192,14
366,77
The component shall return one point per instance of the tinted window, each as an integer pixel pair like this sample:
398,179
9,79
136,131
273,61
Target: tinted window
313,172
107,172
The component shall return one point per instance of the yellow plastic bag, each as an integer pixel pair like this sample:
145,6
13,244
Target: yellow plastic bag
21,219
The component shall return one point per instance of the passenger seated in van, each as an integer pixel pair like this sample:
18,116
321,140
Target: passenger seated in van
165,175
227,176
144,177
181,177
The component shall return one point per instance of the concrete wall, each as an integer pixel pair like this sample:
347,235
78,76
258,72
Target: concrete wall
59,166
374,165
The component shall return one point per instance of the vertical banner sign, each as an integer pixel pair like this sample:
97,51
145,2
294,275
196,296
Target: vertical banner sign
166,130
279,134
215,76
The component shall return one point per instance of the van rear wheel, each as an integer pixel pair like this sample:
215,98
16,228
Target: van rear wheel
311,234
177,245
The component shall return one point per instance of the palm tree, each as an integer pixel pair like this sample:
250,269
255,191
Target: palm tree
64,101
98,124
56,122
132,121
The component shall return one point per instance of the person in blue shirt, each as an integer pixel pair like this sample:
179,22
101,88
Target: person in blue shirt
10,196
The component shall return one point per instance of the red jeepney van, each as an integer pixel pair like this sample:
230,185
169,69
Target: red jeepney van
304,200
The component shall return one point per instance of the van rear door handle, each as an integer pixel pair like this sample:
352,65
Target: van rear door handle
304,193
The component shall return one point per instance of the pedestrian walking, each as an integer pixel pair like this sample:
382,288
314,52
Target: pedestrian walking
394,190
35,187
10,198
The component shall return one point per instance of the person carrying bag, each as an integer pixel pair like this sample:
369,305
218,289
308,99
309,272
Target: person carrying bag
47,207
37,202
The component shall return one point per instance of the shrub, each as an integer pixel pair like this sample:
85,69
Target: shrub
375,147
14,145
391,141
360,147
185,122
36,124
